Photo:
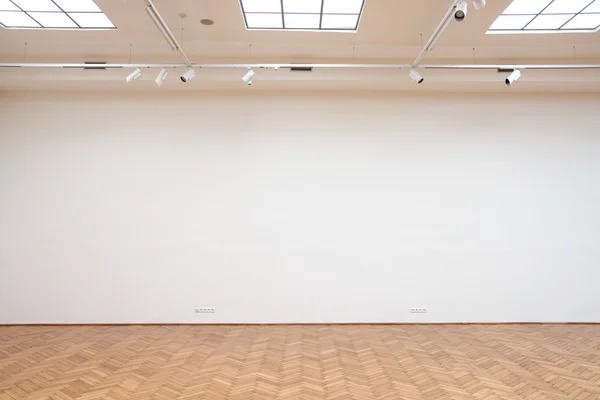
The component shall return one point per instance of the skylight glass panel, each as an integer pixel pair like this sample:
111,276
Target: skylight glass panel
526,6
77,5
325,15
566,6
302,21
549,22
546,16
36,5
264,21
6,5
17,19
594,7
53,20
53,14
337,21
303,7
511,22
342,6
91,20
584,21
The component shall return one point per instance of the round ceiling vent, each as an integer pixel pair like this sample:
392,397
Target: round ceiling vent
207,21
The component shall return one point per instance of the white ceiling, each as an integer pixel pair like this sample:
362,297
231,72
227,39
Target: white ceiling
390,31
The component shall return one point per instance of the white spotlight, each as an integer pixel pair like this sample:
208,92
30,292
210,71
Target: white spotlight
479,4
416,76
189,75
162,75
248,77
515,75
134,75
460,12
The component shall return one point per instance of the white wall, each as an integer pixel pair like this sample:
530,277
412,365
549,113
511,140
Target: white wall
275,208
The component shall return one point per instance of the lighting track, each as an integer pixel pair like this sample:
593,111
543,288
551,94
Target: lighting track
438,33
164,29
290,66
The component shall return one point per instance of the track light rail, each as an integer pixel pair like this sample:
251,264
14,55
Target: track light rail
286,66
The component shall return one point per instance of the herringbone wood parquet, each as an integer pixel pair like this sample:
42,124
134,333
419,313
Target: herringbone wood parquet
424,362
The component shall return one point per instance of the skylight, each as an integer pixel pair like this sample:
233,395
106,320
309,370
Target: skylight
545,16
313,15
52,14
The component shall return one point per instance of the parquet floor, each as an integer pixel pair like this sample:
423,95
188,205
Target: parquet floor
425,362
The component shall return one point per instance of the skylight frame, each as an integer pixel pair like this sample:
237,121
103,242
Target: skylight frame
320,28
541,13
60,11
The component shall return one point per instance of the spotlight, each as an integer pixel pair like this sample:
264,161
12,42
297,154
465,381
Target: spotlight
515,75
188,76
479,4
248,77
162,75
134,75
416,76
461,11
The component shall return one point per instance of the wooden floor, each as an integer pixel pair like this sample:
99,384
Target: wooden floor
426,362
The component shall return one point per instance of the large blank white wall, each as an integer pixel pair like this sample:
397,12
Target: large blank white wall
283,208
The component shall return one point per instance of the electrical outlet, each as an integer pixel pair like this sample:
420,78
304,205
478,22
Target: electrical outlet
418,310
205,310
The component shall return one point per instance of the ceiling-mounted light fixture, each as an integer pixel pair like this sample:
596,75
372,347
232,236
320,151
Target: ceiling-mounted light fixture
162,75
415,76
248,77
460,13
189,75
134,75
479,4
514,76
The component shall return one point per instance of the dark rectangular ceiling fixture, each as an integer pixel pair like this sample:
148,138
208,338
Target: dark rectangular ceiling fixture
95,65
301,69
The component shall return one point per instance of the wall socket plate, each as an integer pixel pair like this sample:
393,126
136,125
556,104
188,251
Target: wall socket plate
418,310
205,310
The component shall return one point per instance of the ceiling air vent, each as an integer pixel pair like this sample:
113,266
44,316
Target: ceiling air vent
95,65
301,69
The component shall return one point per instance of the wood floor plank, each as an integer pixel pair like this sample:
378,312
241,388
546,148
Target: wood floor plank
418,362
